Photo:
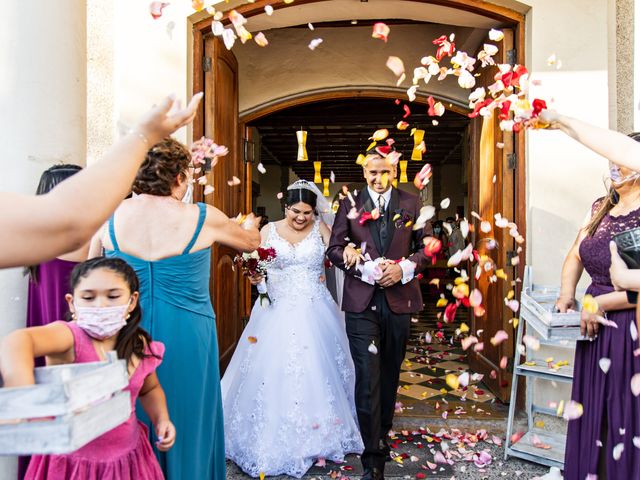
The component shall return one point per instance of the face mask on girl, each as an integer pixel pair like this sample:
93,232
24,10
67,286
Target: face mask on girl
102,322
437,230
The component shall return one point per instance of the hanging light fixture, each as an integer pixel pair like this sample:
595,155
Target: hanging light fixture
403,171
301,135
317,178
418,137
325,192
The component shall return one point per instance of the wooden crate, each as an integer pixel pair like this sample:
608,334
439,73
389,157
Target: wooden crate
538,310
69,406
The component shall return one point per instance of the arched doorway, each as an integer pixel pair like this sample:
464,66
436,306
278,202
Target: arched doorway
292,81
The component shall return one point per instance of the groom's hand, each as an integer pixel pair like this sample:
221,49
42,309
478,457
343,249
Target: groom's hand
391,274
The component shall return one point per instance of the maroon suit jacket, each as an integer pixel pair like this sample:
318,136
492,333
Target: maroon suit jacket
404,243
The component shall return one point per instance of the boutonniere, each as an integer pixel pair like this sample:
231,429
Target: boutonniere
402,219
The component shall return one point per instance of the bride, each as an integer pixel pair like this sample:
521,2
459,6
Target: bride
288,390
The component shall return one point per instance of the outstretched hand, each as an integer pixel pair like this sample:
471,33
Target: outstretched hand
167,117
549,118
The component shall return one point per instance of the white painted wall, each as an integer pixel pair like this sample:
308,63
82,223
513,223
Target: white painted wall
42,100
564,178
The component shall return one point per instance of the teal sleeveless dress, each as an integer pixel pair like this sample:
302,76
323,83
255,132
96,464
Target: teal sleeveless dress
177,311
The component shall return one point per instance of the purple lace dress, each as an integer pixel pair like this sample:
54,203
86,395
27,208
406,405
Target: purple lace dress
605,394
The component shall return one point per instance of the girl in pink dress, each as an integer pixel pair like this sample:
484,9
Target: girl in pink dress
106,316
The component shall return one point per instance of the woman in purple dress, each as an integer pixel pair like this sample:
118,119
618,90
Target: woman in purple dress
49,281
601,441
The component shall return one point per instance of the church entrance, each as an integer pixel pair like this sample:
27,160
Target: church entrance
340,93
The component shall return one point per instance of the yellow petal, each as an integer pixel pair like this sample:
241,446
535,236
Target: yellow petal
452,381
590,304
442,302
464,328
384,180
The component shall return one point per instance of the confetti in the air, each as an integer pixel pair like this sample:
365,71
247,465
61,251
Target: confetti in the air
381,31
155,9
315,43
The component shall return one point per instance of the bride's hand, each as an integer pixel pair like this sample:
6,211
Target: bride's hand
256,279
351,256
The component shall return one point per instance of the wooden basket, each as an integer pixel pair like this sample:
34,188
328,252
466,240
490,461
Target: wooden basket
69,406
538,310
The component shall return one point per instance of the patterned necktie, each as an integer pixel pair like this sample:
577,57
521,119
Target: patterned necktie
382,222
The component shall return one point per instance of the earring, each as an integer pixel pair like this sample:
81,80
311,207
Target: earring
128,316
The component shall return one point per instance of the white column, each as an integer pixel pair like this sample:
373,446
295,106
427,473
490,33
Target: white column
636,67
43,122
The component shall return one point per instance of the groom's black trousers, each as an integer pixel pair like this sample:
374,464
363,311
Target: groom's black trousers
377,375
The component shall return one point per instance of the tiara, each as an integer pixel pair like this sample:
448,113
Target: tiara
300,185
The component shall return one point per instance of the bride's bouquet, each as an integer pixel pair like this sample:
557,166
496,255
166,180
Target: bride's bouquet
256,263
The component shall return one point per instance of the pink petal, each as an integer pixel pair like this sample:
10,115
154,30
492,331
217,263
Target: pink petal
499,337
155,9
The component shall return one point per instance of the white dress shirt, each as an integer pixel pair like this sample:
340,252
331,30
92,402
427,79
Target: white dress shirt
370,273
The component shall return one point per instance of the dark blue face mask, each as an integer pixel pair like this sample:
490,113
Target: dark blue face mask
437,230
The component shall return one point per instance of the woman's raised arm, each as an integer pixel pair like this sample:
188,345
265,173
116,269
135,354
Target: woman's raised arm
614,146
34,229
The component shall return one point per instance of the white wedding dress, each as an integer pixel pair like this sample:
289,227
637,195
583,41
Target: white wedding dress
288,392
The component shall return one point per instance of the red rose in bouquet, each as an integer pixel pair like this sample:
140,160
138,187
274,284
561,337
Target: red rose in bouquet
256,263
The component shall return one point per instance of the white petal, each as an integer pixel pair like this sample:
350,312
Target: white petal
495,35
604,364
617,451
635,384
464,228
396,65
463,379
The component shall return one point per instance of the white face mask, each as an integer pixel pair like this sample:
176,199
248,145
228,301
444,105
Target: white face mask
616,176
102,322
188,194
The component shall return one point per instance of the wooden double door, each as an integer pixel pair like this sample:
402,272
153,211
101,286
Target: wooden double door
495,184
218,120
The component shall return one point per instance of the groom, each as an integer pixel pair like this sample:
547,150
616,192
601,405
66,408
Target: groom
379,298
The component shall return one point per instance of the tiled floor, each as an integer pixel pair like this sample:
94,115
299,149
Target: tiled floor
430,357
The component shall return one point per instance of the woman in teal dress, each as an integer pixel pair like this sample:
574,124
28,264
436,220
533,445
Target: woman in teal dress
168,241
